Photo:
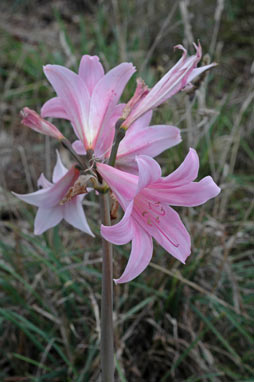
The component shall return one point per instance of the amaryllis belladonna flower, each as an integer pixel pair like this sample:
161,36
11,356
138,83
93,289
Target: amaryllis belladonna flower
89,100
145,199
48,200
172,82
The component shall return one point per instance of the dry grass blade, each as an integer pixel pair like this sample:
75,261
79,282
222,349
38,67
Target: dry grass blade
195,286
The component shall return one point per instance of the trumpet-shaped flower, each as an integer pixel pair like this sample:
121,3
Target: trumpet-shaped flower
141,139
145,199
35,122
48,200
172,82
89,100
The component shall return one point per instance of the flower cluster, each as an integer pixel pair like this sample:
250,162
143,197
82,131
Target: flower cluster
90,101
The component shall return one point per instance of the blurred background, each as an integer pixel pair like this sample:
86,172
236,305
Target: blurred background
181,323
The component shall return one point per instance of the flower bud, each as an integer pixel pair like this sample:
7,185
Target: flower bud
35,122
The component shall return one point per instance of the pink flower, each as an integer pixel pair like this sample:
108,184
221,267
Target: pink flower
89,100
35,122
172,82
141,139
145,199
49,198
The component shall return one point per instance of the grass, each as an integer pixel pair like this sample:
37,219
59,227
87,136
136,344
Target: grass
173,323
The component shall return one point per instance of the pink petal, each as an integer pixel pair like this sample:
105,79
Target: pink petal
169,231
116,113
141,91
149,141
129,166
149,171
188,195
47,218
91,71
59,189
43,182
74,96
74,215
106,95
186,172
78,146
59,170
141,123
54,108
104,141
173,235
123,184
122,232
140,257
196,72
34,198
35,122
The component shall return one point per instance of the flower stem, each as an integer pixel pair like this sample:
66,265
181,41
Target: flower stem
107,346
119,135
82,161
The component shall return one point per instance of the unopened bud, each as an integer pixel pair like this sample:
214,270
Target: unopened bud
35,122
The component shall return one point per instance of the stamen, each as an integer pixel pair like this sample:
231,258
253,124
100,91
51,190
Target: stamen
152,220
157,206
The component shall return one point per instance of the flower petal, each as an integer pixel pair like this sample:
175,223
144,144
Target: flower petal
91,71
122,232
169,231
74,96
197,71
141,91
188,195
140,257
104,141
186,172
150,141
43,182
149,171
105,96
123,184
59,170
74,214
34,198
141,123
54,108
47,218
78,146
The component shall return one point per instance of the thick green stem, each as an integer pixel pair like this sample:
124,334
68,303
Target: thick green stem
119,135
107,346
